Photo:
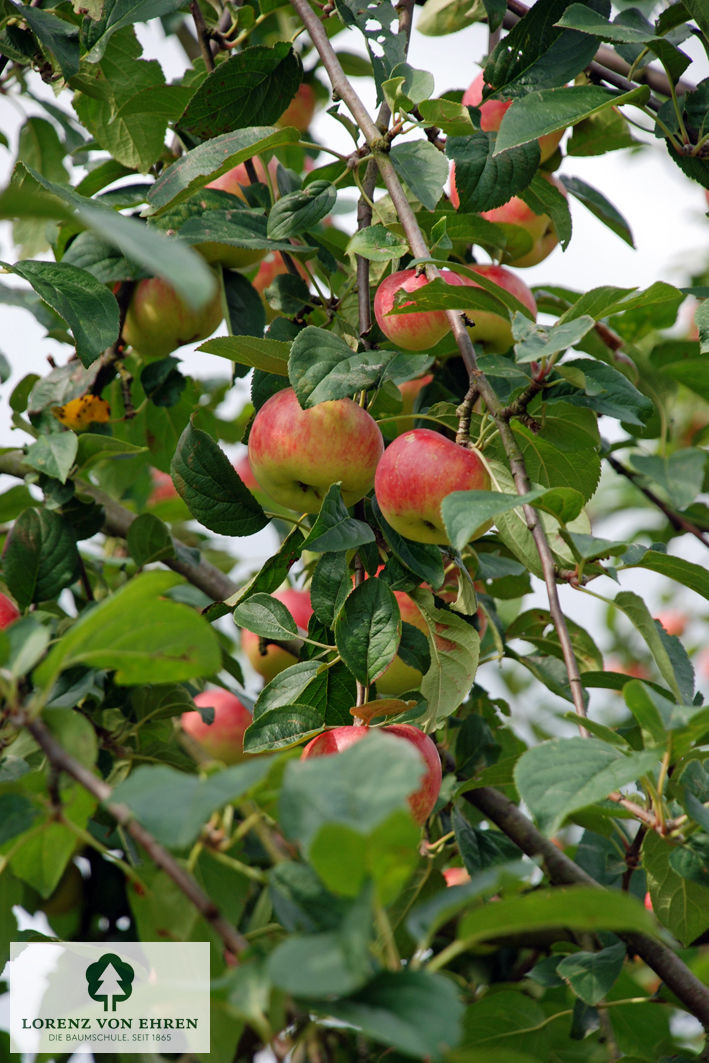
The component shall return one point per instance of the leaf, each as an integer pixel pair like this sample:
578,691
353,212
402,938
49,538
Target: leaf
537,342
680,904
116,15
486,178
679,475
87,306
368,630
543,197
254,85
266,617
577,16
345,858
56,36
465,512
667,650
149,540
215,157
299,211
377,244
245,312
442,17
423,559
42,858
41,557
600,207
562,776
53,455
605,390
455,649
592,974
144,637
282,727
27,642
212,491
579,469
688,573
271,356
385,45
545,111
174,806
17,815
331,583
414,1012
334,529
423,168
323,367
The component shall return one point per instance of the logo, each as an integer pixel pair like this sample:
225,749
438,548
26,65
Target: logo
110,979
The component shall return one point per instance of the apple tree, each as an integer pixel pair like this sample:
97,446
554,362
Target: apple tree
438,452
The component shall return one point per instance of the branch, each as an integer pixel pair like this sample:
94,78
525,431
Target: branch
562,871
677,520
63,761
379,147
202,35
118,520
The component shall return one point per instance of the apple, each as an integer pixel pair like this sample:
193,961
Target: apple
158,320
338,739
276,658
299,112
271,267
223,739
297,454
493,330
398,676
163,487
8,612
673,621
492,112
409,391
246,473
539,226
416,473
237,179
412,332
455,876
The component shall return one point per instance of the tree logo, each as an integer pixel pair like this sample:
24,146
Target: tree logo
110,979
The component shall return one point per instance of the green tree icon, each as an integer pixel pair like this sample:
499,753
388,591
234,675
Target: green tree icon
110,979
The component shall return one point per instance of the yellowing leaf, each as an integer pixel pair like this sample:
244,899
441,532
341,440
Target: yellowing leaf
79,413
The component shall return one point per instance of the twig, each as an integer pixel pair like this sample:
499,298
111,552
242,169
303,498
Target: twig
563,871
677,520
63,761
202,35
632,856
463,413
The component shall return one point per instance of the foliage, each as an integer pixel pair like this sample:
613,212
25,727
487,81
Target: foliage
340,938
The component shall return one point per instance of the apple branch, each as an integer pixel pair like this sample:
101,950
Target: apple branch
562,871
64,762
379,146
678,521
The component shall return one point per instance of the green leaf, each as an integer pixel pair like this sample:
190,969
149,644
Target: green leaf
605,390
592,974
579,17
17,815
465,512
559,455
87,306
600,207
345,858
57,37
534,342
385,45
377,244
299,211
211,159
233,226
423,168
146,638
545,198
368,630
330,585
41,557
245,312
688,573
149,540
174,806
212,491
27,641
53,455
455,649
266,617
282,727
561,776
680,904
692,372
407,87
74,733
41,859
334,529
117,14
323,367
603,132
271,356
423,559
442,17
679,475
414,1012
667,650
663,720
359,787
485,177
547,110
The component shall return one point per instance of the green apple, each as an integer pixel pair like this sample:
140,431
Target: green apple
158,320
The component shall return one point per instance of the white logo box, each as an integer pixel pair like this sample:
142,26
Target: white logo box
80,996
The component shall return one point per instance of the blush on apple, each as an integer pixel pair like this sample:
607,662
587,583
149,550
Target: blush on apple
492,330
299,112
493,111
277,658
412,332
416,473
8,612
338,739
223,739
296,454
158,320
539,226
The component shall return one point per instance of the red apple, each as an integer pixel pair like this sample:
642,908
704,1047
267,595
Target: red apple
412,332
246,473
492,112
297,454
223,739
455,876
539,226
300,110
8,612
416,473
493,330
673,621
237,179
276,658
158,320
338,739
163,488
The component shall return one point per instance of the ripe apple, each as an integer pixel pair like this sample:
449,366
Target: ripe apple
340,738
673,621
158,320
493,330
539,226
237,179
297,454
399,676
223,739
299,112
412,332
455,876
416,473
409,391
492,112
8,612
246,473
163,488
276,658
